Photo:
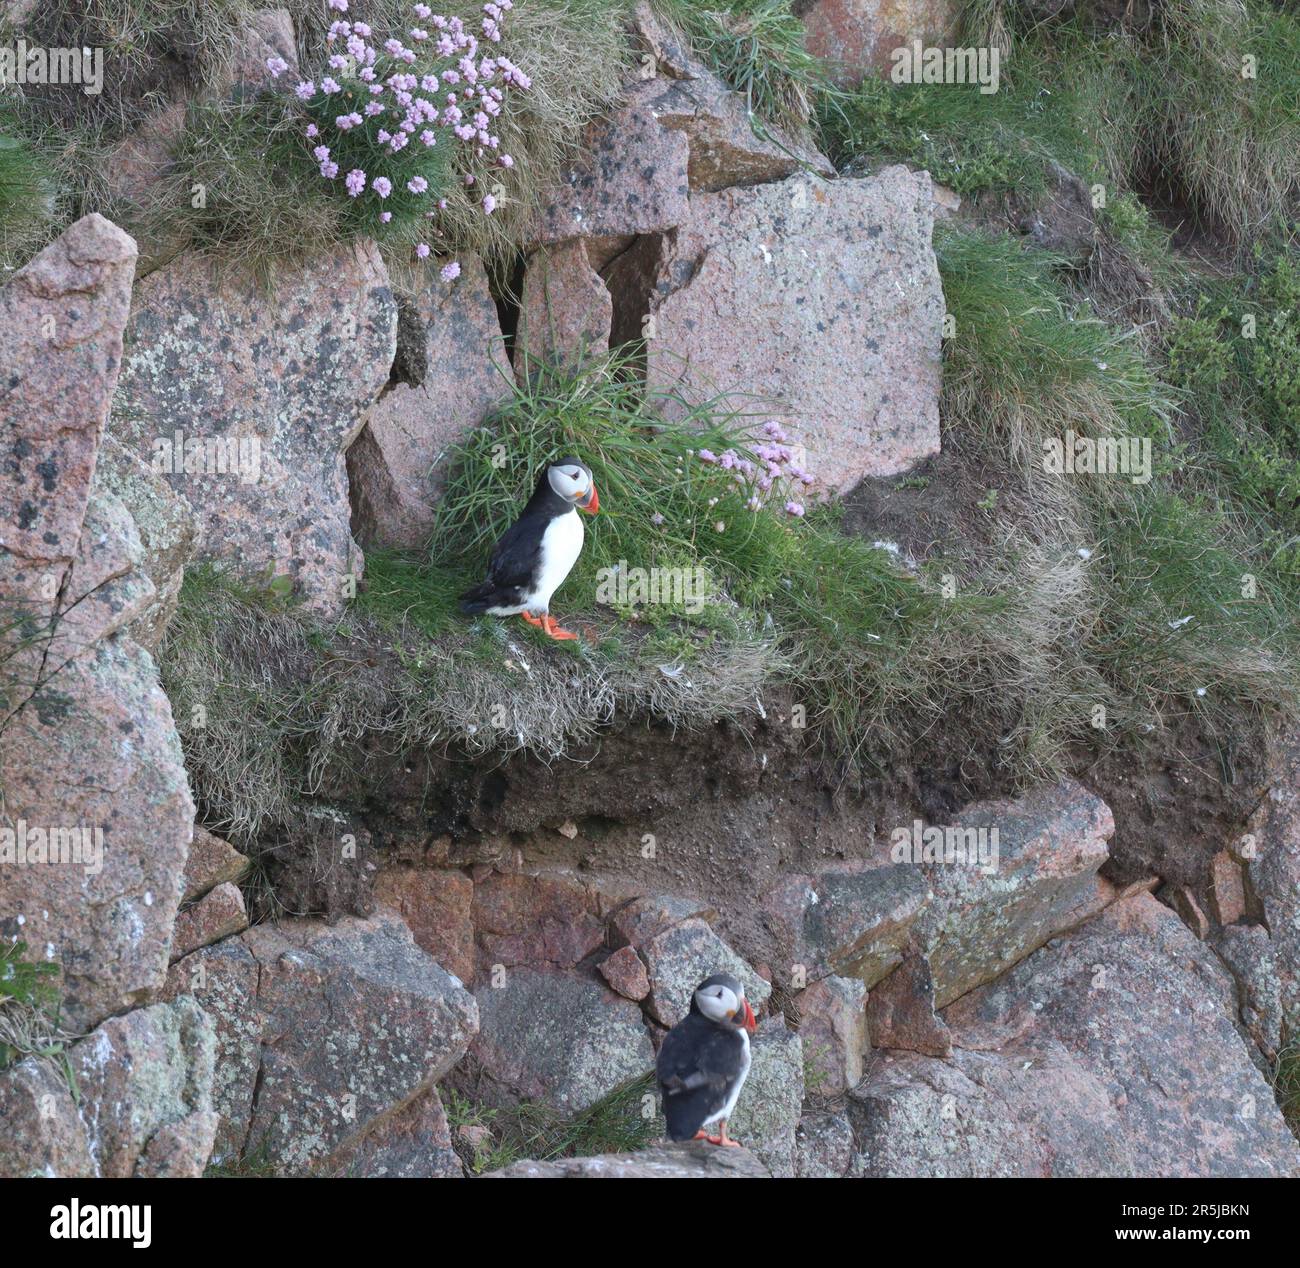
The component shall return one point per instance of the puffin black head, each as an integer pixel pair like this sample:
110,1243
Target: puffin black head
572,481
722,1000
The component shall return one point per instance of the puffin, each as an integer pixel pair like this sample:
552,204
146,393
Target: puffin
704,1061
538,551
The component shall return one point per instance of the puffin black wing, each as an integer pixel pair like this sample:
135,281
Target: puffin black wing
698,1065
512,569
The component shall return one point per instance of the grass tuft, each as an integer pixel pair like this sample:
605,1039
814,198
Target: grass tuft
756,46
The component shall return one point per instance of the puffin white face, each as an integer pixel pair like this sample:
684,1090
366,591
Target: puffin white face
722,1000
572,481
717,1002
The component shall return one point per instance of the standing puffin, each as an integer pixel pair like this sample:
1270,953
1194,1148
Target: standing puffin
539,549
704,1061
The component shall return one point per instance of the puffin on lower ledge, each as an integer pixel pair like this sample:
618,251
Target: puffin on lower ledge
704,1061
539,549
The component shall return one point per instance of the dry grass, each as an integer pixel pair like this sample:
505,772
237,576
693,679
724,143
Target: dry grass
283,700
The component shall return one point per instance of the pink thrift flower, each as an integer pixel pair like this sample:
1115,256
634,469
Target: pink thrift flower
489,204
385,216
355,182
417,184
277,66
450,272
305,89
422,250
656,518
428,138
707,455
329,170
794,508
382,186
339,6
362,29
312,130
321,153
329,86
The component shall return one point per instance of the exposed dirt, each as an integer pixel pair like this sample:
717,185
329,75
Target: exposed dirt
1179,799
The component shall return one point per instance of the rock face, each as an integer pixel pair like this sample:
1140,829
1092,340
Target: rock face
323,1033
854,920
93,764
856,37
833,1028
1050,844
566,311
97,810
833,315
534,921
451,369
676,130
247,402
436,906
61,324
412,1144
557,1037
1111,1051
164,524
771,1101
1272,856
216,915
143,1103
692,1161
681,957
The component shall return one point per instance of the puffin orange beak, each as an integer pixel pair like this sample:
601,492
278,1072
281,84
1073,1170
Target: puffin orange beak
590,501
750,1023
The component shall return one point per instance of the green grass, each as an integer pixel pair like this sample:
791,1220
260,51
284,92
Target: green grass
1286,1084
862,640
1150,617
617,1124
1234,358
29,1008
26,193
756,46
970,141
1164,103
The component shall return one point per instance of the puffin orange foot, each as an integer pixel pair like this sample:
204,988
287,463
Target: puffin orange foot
532,620
560,635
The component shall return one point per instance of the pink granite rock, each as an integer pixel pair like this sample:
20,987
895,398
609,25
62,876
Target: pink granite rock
437,907
451,369
900,1012
566,310
211,861
93,765
413,1143
833,1027
856,37
266,392
626,974
555,1036
537,921
322,1031
143,1103
681,957
216,915
1113,1050
1043,851
61,328
822,300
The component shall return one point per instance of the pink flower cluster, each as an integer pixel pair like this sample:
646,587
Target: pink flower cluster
775,461
441,84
